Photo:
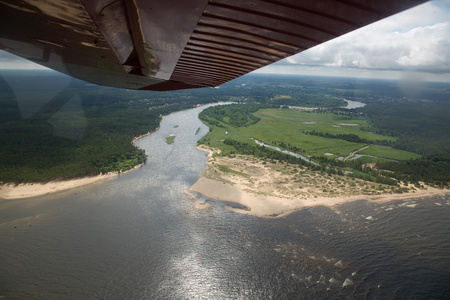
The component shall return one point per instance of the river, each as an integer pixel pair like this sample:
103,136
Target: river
353,104
140,237
286,152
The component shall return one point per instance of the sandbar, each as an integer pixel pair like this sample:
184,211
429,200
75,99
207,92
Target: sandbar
273,189
27,190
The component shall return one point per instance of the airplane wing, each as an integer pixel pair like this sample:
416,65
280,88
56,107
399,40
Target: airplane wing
176,44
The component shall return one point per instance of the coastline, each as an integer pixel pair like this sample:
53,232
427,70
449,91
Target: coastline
265,191
28,190
143,135
11,191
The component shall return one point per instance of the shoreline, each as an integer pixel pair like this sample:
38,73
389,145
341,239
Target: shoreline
260,195
10,191
28,190
143,135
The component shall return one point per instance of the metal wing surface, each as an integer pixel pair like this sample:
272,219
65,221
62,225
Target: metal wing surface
176,44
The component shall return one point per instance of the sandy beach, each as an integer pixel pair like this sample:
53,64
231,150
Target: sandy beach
273,189
143,135
26,190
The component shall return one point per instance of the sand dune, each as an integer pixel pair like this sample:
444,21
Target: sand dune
26,190
274,189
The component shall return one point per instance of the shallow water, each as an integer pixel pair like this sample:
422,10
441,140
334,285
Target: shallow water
140,237
354,104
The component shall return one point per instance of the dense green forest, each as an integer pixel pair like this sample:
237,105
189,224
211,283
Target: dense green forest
422,127
56,127
432,170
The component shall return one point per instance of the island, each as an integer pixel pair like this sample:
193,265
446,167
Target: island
170,139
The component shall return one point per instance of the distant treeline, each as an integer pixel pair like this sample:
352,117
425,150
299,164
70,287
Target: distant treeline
422,127
347,137
432,171
308,100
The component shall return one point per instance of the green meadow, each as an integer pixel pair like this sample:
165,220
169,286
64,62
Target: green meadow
388,152
288,126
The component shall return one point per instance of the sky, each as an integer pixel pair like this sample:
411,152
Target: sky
413,45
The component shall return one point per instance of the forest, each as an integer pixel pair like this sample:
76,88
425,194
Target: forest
422,127
56,127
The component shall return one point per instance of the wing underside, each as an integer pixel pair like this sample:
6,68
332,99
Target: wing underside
169,45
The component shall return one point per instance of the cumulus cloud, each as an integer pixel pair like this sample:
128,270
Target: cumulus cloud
415,40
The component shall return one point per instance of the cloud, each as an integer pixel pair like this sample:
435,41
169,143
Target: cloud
415,40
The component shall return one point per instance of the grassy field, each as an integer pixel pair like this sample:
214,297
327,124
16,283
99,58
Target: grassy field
388,152
285,125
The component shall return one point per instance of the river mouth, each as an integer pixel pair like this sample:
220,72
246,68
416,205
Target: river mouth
202,200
